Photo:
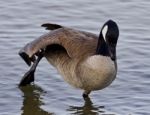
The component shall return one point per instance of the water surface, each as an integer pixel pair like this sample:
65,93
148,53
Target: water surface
20,22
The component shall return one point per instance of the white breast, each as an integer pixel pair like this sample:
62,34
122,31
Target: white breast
97,72
94,73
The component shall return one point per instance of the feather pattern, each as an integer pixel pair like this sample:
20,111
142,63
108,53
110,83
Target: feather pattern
73,53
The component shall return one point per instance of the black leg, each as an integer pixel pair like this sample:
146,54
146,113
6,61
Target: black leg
86,94
29,75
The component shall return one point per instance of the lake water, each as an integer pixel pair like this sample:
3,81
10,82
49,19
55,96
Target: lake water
20,22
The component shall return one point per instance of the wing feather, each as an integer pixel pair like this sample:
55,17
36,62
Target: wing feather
77,43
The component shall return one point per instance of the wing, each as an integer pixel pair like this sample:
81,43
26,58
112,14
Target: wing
78,44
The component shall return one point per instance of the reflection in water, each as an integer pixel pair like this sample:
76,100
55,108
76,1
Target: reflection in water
88,109
32,101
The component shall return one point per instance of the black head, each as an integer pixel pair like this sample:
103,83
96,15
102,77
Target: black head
108,39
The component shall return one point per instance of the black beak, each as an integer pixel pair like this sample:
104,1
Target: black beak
112,51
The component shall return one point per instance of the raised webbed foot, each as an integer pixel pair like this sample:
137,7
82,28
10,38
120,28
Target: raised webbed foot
29,75
27,78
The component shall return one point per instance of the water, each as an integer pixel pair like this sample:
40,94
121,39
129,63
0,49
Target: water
20,22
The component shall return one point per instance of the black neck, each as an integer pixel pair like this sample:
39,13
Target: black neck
102,48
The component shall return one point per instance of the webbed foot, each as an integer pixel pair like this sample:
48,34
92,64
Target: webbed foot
29,75
27,78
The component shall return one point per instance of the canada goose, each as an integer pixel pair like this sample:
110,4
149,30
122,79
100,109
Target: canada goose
85,60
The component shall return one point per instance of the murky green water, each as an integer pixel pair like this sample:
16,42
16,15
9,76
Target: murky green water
20,22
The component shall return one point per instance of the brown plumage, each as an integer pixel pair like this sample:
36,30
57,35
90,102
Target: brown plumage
78,44
74,54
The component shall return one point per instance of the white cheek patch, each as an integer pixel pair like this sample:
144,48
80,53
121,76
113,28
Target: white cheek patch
104,31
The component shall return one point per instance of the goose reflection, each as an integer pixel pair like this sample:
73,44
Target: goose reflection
87,109
32,101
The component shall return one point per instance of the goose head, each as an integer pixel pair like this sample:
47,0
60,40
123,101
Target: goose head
108,40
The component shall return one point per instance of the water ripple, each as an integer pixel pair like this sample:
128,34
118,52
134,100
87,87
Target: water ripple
20,23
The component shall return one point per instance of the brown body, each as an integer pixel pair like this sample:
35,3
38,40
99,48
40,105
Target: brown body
73,53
